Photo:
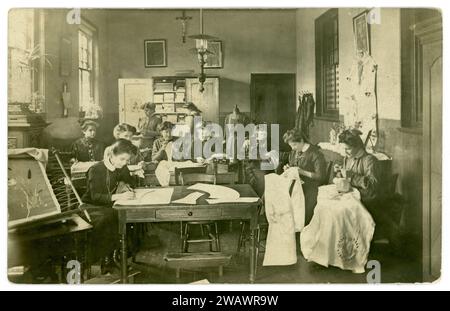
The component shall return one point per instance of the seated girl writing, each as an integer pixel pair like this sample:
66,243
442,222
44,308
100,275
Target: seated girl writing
103,180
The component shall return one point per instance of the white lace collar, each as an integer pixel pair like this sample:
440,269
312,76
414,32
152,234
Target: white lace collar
108,164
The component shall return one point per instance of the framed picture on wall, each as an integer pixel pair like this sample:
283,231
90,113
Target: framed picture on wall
214,60
155,52
361,33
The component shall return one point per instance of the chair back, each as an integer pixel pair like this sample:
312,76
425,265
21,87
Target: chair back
187,170
192,178
226,178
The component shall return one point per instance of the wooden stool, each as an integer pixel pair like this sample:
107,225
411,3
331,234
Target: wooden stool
180,261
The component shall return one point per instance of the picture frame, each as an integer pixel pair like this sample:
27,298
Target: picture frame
214,60
361,32
155,53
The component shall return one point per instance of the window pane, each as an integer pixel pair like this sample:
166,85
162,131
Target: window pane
330,54
85,88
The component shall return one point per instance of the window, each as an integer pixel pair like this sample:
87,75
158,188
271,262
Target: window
327,64
86,69
412,63
26,59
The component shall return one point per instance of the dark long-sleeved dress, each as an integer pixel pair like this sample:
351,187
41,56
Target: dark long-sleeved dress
86,150
102,183
364,174
312,160
158,152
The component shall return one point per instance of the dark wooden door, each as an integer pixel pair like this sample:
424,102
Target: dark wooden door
428,37
273,101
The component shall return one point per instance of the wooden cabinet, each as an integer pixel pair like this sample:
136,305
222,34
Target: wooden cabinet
208,100
133,93
24,135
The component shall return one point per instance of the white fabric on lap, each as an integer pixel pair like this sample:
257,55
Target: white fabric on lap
285,214
340,231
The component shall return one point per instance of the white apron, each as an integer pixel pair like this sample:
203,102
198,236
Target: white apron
285,214
340,231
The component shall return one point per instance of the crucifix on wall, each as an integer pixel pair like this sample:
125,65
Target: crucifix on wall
184,20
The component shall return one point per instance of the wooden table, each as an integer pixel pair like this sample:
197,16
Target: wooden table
173,212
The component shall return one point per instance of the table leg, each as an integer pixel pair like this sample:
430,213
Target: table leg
123,257
123,247
252,256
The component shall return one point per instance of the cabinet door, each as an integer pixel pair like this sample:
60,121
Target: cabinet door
133,93
208,101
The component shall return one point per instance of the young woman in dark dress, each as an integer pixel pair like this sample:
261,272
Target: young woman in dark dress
103,180
311,167
87,148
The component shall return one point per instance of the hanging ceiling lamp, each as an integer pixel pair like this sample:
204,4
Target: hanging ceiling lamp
201,48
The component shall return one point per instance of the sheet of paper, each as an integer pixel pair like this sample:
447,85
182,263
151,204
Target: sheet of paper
204,281
81,167
149,197
189,199
216,191
133,168
238,200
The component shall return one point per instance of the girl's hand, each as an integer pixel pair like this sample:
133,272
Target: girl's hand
129,195
141,165
337,168
286,167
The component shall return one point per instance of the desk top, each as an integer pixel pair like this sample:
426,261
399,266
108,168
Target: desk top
69,225
179,192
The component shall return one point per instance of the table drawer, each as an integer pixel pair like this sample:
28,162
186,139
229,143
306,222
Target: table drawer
140,215
181,214
233,212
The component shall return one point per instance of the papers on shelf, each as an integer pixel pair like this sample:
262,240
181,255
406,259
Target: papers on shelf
189,199
149,197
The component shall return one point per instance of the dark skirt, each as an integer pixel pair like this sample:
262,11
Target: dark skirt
104,238
310,190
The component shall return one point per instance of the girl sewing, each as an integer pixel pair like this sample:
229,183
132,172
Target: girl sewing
343,225
159,152
87,148
103,180
311,167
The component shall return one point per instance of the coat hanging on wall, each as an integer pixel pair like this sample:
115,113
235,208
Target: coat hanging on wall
305,113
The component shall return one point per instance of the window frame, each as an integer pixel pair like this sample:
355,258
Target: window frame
411,66
322,110
90,31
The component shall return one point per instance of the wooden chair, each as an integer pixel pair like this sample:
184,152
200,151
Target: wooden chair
263,225
187,170
189,176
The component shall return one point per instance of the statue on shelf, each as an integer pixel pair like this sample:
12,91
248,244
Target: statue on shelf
362,110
